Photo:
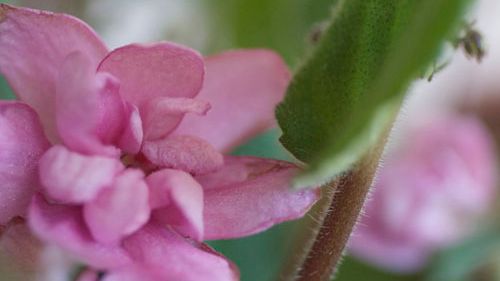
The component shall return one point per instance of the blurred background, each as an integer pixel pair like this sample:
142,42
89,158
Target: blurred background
432,215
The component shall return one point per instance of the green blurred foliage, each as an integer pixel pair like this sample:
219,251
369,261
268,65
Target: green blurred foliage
348,91
282,25
260,257
467,260
354,270
5,91
266,145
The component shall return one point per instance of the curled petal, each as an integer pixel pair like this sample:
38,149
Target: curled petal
89,110
243,88
113,111
130,140
155,246
153,71
119,210
33,45
162,115
187,153
22,143
248,195
64,226
179,201
70,177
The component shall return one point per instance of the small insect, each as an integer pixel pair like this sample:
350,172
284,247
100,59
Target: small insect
471,43
436,69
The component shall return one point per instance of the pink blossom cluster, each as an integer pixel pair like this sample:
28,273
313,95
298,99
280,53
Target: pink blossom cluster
117,156
431,192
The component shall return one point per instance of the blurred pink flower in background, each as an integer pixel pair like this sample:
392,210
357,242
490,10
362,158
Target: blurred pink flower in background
117,157
430,192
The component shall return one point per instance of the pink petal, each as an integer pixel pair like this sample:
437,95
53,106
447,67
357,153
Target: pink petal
70,177
243,88
153,71
187,153
173,257
162,115
130,140
431,193
112,108
64,226
89,110
21,144
119,210
33,45
179,199
248,195
134,273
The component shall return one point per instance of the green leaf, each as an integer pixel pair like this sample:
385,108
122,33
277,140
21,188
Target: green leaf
353,83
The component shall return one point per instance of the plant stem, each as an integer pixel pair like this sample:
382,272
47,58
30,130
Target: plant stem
334,219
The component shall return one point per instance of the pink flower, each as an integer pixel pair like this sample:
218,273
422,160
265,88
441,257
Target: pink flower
429,194
117,156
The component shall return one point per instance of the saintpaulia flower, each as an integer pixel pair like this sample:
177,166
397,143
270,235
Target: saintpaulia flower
429,193
117,157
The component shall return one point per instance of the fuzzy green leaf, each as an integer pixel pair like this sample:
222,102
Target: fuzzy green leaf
353,83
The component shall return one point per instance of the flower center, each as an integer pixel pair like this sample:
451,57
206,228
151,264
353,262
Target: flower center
138,161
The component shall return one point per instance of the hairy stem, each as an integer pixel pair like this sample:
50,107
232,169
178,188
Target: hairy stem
334,219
